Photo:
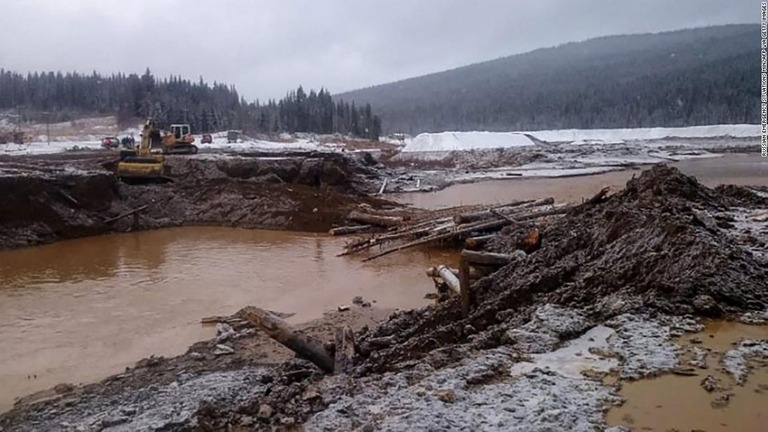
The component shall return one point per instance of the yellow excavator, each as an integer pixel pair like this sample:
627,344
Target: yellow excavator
179,140
140,164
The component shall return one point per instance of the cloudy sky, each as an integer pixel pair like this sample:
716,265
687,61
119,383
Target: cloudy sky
265,47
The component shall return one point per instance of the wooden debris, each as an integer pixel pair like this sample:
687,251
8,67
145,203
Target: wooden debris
349,230
450,279
531,242
485,258
305,346
476,243
465,288
69,198
513,207
130,213
474,272
372,219
345,351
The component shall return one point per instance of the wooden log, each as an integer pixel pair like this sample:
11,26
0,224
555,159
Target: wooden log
383,186
476,216
349,230
378,220
464,286
69,198
475,243
512,207
306,347
345,351
485,258
450,279
474,272
136,210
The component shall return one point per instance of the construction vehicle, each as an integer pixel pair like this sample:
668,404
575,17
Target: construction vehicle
140,164
179,140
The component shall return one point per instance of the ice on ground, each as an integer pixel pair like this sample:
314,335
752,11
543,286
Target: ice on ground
736,363
537,400
644,346
574,358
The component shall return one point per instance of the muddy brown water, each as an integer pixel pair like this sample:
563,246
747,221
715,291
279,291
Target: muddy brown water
674,402
740,169
79,310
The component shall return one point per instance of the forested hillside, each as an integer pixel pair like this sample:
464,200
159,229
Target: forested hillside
688,77
61,97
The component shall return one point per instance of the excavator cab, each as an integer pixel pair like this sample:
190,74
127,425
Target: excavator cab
140,164
179,130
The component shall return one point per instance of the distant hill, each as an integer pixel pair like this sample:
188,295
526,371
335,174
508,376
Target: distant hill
689,77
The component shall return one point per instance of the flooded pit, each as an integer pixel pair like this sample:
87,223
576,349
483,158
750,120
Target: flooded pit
739,169
674,402
80,310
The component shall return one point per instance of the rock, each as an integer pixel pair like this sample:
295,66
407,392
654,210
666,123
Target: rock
366,304
224,332
684,371
265,412
129,411
197,356
246,421
709,383
150,361
358,300
368,428
63,388
287,421
722,401
431,296
695,340
223,350
343,308
707,306
113,421
447,396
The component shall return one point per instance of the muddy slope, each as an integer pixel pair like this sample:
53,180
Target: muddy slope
664,244
49,200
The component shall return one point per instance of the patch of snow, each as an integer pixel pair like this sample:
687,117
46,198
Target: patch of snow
462,141
452,141
537,400
574,358
644,346
157,407
646,134
735,361
38,148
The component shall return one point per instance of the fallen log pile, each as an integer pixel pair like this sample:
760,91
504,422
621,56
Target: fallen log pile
474,223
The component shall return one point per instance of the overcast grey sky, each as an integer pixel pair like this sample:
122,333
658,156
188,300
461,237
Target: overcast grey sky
266,47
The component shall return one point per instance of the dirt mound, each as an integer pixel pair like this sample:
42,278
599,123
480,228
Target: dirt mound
665,243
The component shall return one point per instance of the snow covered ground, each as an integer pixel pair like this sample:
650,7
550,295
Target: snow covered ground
456,141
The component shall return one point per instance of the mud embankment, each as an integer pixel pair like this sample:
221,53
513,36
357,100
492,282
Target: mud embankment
549,339
48,200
